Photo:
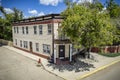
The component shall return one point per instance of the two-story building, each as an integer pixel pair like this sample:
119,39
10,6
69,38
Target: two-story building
40,36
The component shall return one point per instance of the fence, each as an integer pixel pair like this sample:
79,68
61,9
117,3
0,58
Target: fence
6,42
106,49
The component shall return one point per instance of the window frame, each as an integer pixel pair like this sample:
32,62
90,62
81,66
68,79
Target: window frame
20,43
40,29
25,44
27,30
15,41
14,29
35,29
46,48
23,32
37,46
17,29
49,26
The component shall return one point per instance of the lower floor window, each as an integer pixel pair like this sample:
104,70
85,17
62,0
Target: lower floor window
37,46
15,41
46,48
25,44
20,43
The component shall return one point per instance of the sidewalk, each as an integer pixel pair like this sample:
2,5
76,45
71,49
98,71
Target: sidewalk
75,71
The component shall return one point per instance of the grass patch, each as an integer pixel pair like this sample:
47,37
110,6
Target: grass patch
110,54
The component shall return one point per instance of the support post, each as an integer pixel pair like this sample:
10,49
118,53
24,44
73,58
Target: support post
55,52
70,52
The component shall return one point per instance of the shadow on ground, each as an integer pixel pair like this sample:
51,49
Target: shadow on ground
78,66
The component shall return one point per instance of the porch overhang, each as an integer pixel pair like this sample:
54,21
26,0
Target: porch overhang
65,41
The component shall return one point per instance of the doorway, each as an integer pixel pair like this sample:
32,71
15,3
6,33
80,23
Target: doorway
31,50
61,51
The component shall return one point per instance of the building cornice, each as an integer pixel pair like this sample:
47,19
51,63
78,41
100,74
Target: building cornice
39,20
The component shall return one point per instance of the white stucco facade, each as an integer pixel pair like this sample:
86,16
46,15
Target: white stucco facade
44,41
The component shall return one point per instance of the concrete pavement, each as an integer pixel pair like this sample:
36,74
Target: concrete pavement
14,66
75,71
110,73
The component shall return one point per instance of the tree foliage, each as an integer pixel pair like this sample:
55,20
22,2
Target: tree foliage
114,12
6,22
87,27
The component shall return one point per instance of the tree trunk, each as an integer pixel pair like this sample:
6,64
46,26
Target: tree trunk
89,50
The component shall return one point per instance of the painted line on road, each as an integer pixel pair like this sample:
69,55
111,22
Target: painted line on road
99,69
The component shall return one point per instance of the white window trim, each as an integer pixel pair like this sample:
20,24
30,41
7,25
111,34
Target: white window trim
37,46
46,48
49,26
27,30
35,29
40,29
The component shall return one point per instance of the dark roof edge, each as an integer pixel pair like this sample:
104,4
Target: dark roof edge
44,16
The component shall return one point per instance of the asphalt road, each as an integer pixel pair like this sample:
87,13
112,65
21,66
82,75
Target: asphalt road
14,66
110,73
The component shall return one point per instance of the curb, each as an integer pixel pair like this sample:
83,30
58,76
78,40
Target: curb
98,69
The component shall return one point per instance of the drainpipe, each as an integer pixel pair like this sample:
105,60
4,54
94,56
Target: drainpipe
53,53
70,52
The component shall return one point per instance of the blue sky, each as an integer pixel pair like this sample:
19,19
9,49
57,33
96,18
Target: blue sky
37,7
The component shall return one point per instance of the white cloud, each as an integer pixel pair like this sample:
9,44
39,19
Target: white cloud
8,10
33,12
82,1
41,13
50,2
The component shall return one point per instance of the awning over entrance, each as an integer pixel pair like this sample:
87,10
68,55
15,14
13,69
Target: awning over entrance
66,41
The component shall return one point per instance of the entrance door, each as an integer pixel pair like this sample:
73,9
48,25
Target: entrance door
31,50
61,51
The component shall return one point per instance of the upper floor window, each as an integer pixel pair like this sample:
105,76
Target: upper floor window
40,29
26,29
37,46
49,28
17,30
14,29
35,29
46,48
23,30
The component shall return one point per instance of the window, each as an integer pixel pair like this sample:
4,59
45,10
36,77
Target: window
37,46
35,29
40,29
17,30
25,44
49,28
20,43
14,29
23,30
15,41
46,48
27,30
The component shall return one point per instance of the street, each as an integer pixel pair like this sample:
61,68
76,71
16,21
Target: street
110,73
14,66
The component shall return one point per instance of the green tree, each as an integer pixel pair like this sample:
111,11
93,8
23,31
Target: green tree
87,27
6,22
114,11
113,8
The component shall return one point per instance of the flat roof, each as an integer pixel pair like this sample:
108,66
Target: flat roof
40,18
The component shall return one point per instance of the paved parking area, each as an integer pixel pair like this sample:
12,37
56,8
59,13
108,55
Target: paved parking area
14,66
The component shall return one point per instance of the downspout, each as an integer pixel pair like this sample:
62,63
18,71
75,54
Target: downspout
53,37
